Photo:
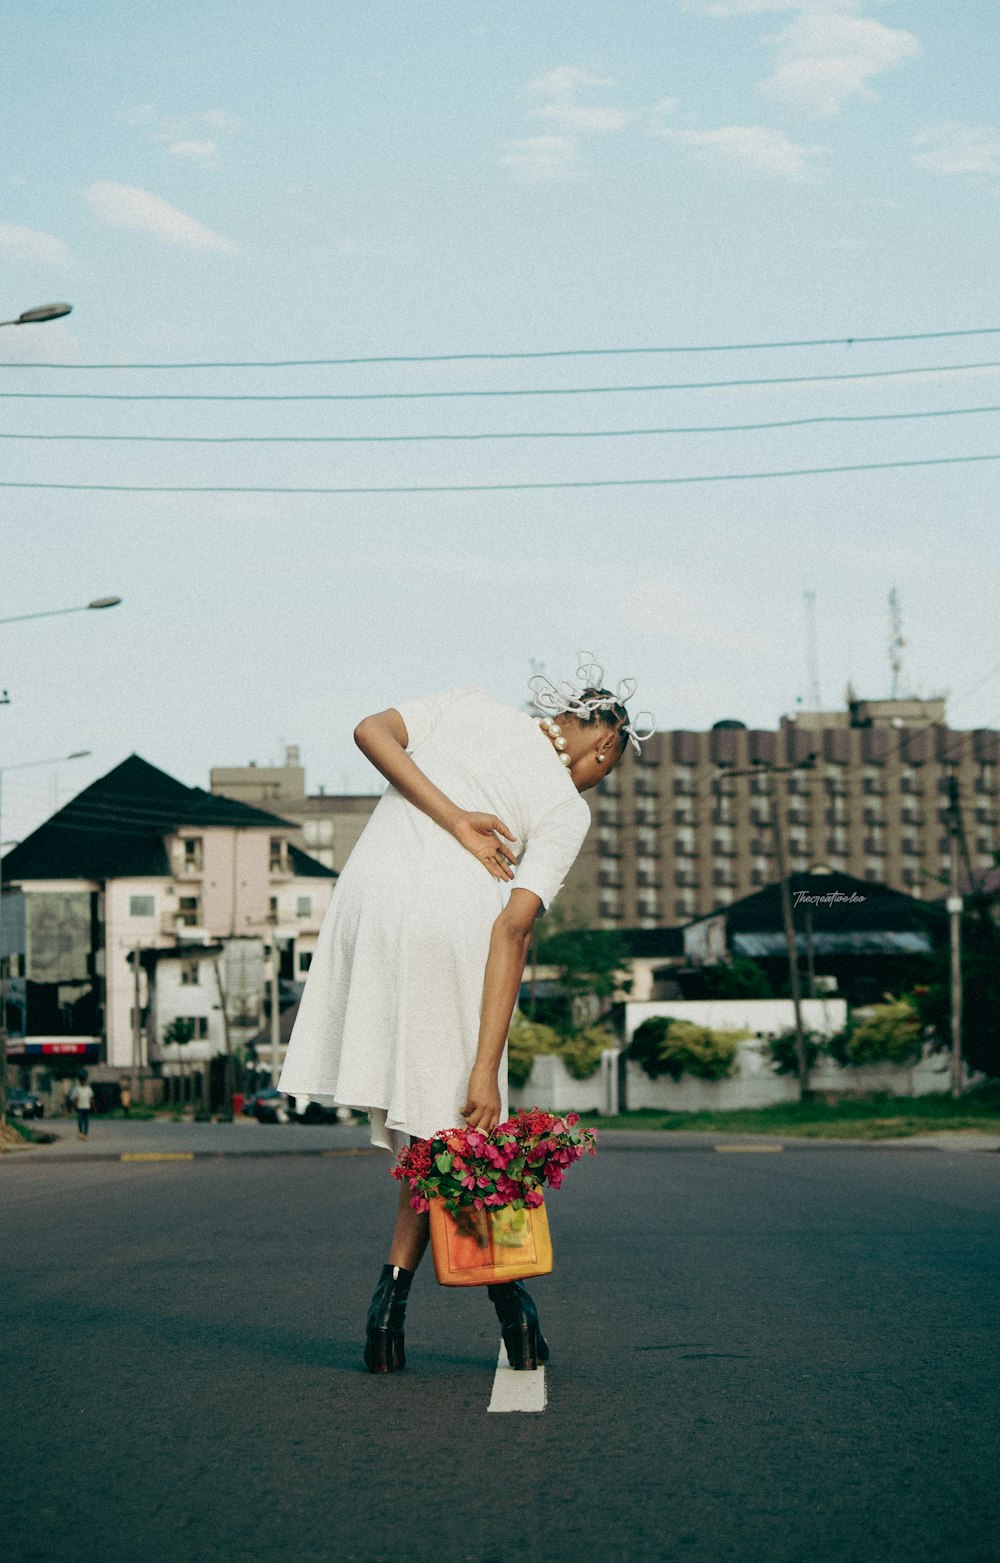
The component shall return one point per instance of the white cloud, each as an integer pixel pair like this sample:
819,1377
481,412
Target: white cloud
753,146
578,116
31,244
201,151
825,57
542,158
957,148
128,206
564,80
827,52
557,156
184,135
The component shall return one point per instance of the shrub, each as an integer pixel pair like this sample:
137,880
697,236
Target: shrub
785,1055
890,1035
674,1047
582,1053
526,1039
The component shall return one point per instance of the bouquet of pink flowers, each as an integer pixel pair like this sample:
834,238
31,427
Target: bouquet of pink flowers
474,1171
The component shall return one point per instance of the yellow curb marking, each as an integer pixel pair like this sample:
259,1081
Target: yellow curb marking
749,1147
156,1156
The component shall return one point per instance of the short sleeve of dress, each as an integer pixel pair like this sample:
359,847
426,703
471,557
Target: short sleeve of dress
421,716
552,850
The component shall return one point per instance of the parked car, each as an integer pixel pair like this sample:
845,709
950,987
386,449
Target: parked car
24,1104
306,1110
270,1106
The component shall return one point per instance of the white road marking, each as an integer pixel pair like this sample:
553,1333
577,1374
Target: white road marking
516,1390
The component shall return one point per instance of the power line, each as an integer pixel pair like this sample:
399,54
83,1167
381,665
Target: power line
423,396
528,434
495,488
568,352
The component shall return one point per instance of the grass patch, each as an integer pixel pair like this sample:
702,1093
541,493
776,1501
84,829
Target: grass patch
875,1117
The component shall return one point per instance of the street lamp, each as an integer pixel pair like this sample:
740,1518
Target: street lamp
23,765
41,312
52,613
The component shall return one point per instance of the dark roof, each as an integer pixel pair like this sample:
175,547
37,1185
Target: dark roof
875,906
307,867
115,827
178,952
653,943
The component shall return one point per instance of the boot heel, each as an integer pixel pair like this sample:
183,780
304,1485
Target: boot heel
523,1340
384,1351
522,1348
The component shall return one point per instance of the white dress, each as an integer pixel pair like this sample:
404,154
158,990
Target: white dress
389,1019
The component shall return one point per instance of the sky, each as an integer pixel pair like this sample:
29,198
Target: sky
451,180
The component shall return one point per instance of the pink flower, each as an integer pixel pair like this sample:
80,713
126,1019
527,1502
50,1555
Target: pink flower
418,1202
533,1198
572,1118
478,1202
553,1177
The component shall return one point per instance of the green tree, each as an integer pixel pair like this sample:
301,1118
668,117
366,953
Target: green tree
741,979
590,964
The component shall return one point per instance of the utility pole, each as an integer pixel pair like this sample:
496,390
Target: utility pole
136,1027
275,1011
954,904
227,1099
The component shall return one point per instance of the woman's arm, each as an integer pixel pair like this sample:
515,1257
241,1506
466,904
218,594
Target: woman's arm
509,943
382,739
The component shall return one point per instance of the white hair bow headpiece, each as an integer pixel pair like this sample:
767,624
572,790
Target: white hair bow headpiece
557,699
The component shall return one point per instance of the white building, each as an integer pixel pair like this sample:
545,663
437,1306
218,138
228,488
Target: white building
140,863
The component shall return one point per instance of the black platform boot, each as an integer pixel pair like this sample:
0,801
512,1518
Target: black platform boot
522,1334
384,1343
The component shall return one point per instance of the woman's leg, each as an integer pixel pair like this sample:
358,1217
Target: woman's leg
413,1230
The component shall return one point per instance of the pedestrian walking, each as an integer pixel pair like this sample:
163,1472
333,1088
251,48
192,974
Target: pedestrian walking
125,1097
419,961
83,1097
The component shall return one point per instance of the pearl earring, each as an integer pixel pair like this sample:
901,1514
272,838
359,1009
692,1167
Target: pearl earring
566,759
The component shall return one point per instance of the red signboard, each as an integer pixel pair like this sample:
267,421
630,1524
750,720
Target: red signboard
90,1050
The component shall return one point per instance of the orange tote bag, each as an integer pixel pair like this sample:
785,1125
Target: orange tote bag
488,1247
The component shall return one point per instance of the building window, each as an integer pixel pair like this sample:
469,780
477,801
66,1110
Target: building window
189,911
190,974
318,832
192,854
303,906
278,855
142,906
305,960
272,909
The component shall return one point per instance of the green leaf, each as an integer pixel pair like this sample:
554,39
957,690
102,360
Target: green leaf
444,1161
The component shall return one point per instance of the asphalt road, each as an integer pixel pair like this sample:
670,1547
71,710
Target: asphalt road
783,1357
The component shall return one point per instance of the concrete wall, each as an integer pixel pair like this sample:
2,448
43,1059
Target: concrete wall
764,1017
754,1084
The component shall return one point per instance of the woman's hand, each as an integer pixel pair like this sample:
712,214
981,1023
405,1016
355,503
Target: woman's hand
482,1106
479,834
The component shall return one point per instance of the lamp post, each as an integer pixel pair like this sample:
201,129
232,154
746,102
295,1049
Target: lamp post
24,765
777,802
41,312
53,613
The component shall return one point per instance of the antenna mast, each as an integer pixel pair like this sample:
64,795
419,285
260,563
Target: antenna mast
812,652
897,641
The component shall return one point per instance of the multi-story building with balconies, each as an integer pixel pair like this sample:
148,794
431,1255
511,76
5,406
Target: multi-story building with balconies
679,831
